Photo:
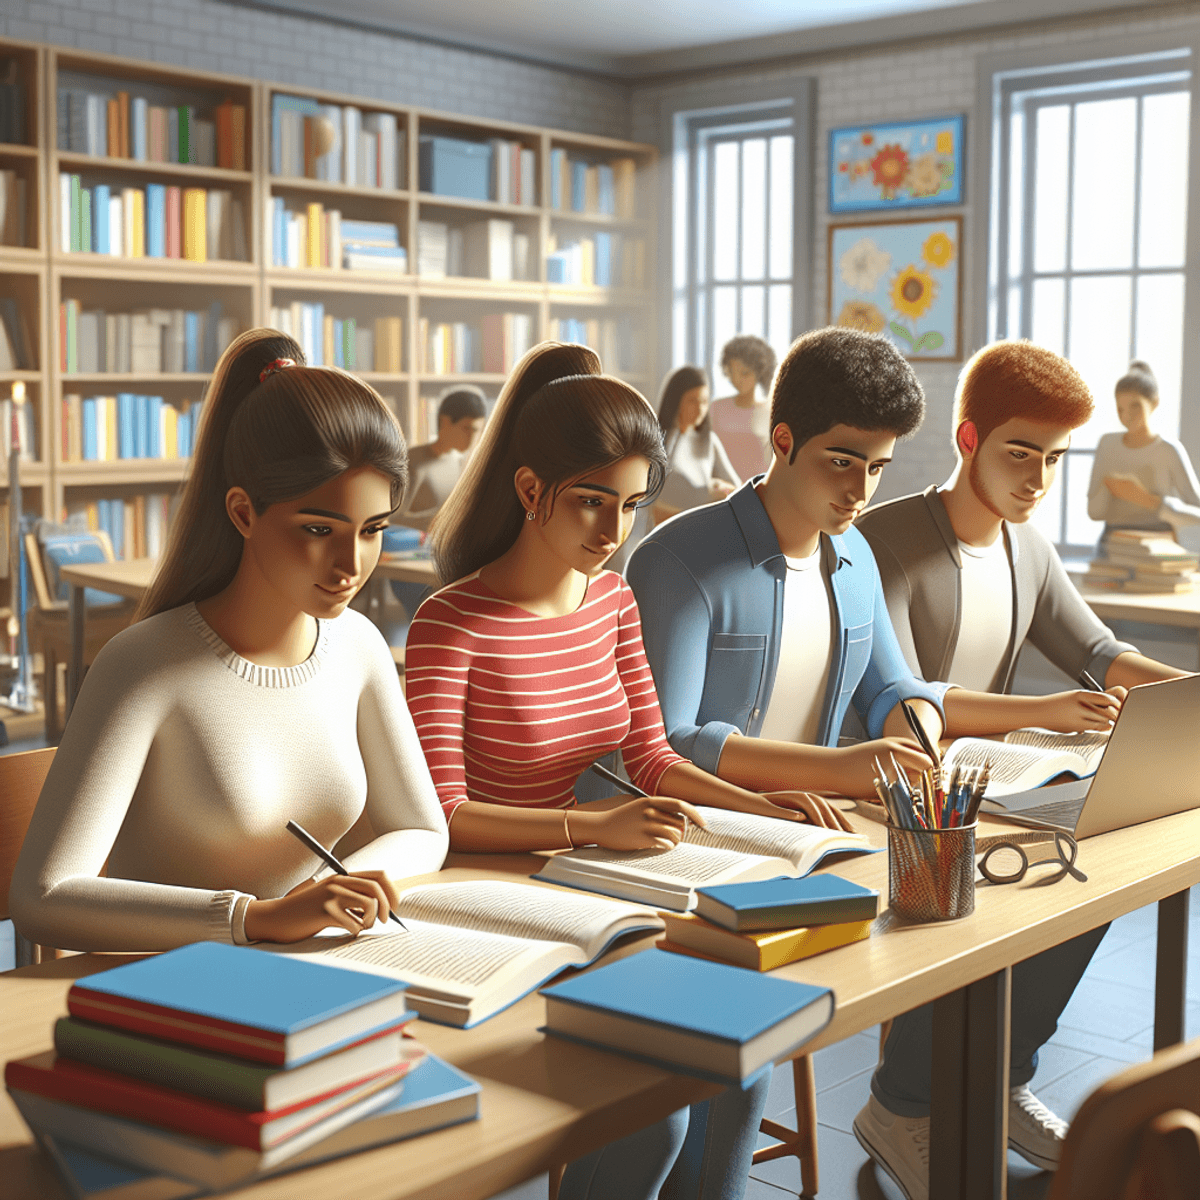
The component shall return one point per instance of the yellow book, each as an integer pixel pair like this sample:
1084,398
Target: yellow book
763,950
110,428
395,330
313,243
137,249
327,347
93,515
195,225
170,433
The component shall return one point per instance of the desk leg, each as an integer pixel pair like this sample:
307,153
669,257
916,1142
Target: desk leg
1170,972
969,1116
76,613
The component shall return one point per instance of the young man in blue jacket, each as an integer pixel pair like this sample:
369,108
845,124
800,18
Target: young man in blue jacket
764,621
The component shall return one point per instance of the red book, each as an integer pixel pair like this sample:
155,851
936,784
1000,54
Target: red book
72,1082
173,222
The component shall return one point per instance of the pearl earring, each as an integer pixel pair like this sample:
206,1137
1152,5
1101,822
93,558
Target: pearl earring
529,514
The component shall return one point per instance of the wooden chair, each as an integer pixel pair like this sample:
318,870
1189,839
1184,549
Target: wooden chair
1137,1137
21,779
50,629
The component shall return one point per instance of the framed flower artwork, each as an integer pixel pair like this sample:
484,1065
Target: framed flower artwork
900,279
908,164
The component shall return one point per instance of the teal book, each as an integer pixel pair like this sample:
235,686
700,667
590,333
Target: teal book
236,1000
688,1014
786,903
121,1159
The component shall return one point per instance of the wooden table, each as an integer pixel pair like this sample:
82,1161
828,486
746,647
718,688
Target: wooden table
128,577
546,1101
1179,609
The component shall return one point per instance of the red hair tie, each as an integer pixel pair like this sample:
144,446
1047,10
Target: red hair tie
277,364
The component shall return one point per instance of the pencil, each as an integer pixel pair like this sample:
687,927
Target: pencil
298,831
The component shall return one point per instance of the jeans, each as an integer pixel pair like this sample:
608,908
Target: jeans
1041,989
701,1153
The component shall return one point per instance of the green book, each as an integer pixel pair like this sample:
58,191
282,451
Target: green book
76,213
252,1086
185,133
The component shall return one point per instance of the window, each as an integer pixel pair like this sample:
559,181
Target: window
1088,237
739,228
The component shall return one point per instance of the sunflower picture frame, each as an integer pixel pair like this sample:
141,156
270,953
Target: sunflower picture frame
898,164
901,279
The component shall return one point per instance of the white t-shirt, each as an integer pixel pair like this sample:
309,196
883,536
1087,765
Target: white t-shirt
805,653
987,615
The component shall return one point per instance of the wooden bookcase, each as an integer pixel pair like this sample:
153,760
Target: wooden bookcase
42,276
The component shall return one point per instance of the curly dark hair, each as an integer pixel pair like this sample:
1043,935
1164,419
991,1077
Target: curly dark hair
755,353
840,376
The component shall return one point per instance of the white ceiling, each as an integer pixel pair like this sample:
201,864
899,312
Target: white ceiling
644,37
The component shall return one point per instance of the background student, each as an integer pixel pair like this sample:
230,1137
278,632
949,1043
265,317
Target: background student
698,468
530,665
1141,479
245,695
743,420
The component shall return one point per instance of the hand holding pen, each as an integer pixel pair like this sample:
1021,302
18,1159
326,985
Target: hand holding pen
644,823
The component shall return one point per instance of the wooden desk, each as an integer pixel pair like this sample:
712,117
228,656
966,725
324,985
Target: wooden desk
545,1100
129,578
1180,610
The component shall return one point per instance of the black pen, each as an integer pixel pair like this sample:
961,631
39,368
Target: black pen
298,831
622,785
1089,682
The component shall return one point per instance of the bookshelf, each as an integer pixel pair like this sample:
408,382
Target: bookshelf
105,122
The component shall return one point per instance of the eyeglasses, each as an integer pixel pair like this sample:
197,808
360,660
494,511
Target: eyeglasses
1007,861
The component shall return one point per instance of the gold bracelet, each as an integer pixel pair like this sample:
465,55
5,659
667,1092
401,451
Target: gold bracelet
567,831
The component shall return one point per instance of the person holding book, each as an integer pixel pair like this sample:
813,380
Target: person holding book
244,696
1141,479
698,468
741,420
529,666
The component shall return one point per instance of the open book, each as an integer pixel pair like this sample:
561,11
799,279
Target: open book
474,948
1028,758
736,847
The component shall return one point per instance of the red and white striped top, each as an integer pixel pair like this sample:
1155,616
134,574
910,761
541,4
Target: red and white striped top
510,707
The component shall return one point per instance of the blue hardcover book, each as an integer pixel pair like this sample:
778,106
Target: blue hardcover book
786,903
191,341
154,444
603,259
138,121
91,449
607,194
279,233
212,329
380,233
688,1014
557,158
578,186
100,200
280,103
85,220
316,335
435,1095
156,220
266,1007
339,356
126,425
141,427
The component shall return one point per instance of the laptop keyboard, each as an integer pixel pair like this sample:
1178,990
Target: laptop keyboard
1064,813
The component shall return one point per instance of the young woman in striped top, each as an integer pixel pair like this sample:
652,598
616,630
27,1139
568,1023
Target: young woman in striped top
530,666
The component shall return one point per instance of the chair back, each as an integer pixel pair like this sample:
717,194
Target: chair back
21,779
1128,1127
56,550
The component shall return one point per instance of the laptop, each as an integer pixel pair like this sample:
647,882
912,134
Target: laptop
1150,768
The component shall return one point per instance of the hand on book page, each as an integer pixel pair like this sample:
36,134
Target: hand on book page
352,902
816,810
1081,711
647,823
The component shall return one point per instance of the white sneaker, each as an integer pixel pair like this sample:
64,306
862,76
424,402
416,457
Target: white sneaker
1034,1132
900,1145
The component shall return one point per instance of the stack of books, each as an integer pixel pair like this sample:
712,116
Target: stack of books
160,221
347,342
214,1064
514,168
1154,562
136,527
766,924
124,126
127,425
599,260
494,249
335,143
321,237
620,341
609,189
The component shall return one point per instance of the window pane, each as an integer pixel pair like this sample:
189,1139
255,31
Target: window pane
779,323
1102,215
1159,342
1050,188
1016,198
754,208
754,316
725,324
782,184
1015,324
1081,529
1048,515
1049,308
1099,340
1163,217
680,216
724,233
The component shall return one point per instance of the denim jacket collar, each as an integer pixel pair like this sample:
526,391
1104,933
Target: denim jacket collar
762,542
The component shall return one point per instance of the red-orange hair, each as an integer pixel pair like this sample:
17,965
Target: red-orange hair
1018,379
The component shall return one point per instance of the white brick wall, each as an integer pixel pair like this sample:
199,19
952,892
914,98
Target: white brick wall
879,85
213,36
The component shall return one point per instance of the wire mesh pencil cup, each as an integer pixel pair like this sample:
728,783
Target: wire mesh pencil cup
931,873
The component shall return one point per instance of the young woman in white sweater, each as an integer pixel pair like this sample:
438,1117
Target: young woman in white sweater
245,695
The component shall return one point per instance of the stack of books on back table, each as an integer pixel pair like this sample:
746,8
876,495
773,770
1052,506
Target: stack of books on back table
213,1065
766,924
1147,562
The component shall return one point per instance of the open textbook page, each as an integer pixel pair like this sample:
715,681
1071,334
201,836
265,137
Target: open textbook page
735,848
1028,758
475,947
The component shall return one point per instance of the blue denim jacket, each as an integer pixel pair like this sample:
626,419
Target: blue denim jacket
709,586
